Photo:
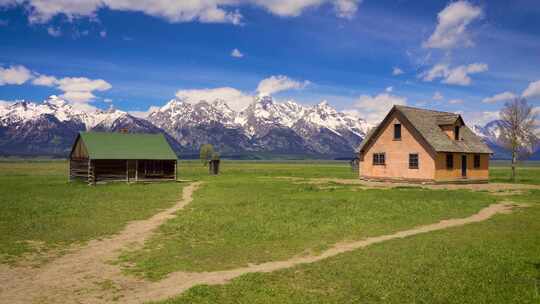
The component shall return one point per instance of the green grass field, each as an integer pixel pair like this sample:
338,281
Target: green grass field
497,261
39,210
242,218
252,213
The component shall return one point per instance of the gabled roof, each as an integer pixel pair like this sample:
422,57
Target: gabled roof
427,123
101,145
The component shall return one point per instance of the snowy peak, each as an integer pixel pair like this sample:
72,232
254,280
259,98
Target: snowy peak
55,101
24,111
491,132
179,113
264,125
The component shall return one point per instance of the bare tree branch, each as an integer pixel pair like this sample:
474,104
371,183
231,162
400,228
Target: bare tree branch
518,125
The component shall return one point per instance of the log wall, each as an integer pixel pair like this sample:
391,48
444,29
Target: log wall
94,171
78,169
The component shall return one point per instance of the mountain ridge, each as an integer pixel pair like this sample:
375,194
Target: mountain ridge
264,126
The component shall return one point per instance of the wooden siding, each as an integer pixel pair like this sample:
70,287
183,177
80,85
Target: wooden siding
473,174
397,154
78,169
79,150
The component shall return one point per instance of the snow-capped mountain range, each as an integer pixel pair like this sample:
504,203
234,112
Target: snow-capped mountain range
491,134
264,126
49,127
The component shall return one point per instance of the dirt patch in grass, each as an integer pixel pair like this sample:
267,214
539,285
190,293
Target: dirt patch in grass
72,277
87,277
490,187
179,282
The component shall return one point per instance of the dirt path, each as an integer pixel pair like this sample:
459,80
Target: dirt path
86,276
491,187
178,282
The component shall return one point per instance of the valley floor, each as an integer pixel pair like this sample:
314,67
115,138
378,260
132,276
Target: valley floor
296,232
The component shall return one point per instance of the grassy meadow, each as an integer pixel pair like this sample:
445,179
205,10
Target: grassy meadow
40,210
242,218
497,261
255,212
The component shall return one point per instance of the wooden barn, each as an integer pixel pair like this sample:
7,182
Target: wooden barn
102,157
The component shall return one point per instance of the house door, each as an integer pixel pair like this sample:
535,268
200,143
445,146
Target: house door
464,165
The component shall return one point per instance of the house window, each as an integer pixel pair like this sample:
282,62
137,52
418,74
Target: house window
397,131
378,159
456,132
413,161
449,161
477,161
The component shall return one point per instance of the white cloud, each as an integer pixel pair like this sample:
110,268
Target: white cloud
455,101
236,53
374,108
103,33
78,96
533,90
397,71
144,114
236,99
451,30
80,89
16,75
389,89
346,8
44,80
207,11
505,96
438,96
75,89
82,84
480,118
292,8
437,71
279,83
458,75
55,32
107,100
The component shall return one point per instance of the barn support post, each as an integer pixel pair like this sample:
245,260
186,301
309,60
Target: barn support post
91,173
127,171
136,170
176,170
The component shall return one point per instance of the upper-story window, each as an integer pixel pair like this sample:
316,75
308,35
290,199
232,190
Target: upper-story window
379,159
397,131
456,132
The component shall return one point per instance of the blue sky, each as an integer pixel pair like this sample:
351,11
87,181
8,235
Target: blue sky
467,56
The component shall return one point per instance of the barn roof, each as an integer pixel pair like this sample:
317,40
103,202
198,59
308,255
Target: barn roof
101,145
427,123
